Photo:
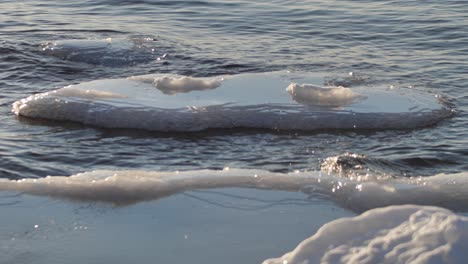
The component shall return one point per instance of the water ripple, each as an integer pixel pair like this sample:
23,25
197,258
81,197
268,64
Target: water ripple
392,42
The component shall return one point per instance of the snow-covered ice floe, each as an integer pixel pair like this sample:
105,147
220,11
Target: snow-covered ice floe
276,100
390,235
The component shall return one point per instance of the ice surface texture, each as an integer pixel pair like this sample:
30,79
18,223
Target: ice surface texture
395,234
262,100
355,193
319,96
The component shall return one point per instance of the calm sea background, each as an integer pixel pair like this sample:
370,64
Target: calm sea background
405,43
421,44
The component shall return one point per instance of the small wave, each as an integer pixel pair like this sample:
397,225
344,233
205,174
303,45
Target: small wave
352,79
257,101
352,165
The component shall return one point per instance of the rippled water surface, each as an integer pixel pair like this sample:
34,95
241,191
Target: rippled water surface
386,43
416,44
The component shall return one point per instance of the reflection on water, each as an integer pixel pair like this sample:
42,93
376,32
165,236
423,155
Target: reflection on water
214,227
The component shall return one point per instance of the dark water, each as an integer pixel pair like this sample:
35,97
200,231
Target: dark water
405,43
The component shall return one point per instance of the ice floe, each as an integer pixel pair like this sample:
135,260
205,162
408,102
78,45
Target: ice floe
261,100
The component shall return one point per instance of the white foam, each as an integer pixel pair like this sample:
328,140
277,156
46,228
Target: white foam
322,96
396,234
246,100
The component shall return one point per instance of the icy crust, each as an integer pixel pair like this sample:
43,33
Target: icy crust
355,193
85,94
173,84
181,103
127,187
395,234
322,96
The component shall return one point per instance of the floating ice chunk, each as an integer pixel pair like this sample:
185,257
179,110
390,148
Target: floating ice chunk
257,100
396,234
322,96
108,52
64,48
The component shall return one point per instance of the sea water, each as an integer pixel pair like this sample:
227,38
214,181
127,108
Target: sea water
405,48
